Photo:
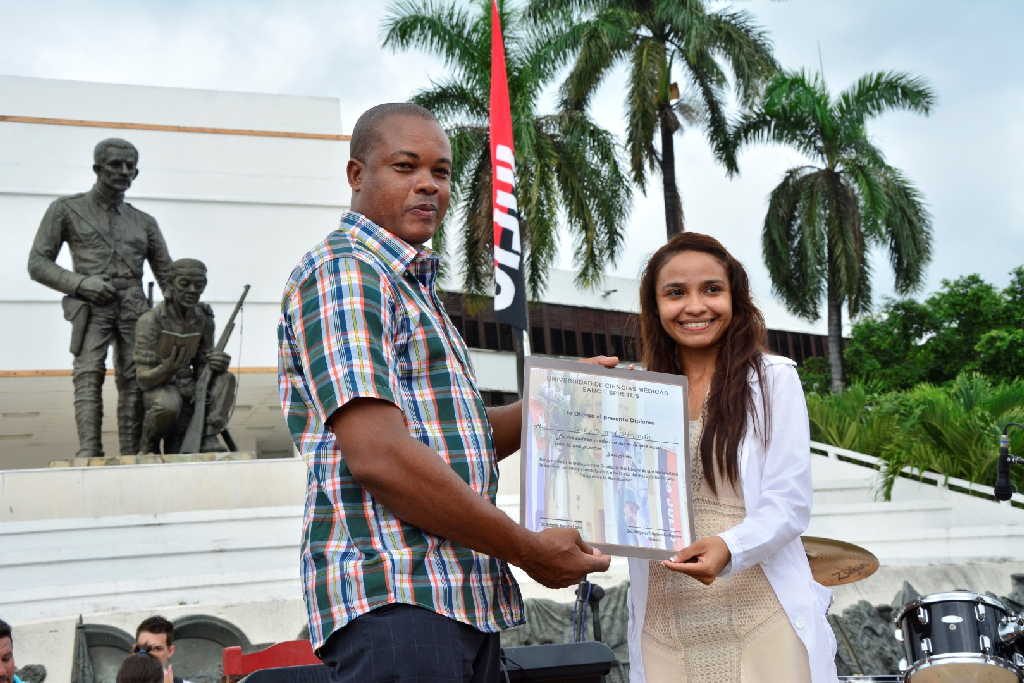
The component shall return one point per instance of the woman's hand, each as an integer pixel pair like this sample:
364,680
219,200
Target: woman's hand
703,560
605,361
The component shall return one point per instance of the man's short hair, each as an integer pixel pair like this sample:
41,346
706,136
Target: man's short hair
140,668
5,630
366,133
102,146
157,624
187,265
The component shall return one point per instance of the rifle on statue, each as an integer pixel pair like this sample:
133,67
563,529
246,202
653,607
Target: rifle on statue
194,434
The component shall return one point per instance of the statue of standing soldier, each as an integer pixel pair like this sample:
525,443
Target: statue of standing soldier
109,241
173,343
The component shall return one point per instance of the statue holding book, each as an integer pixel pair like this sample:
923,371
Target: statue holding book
187,392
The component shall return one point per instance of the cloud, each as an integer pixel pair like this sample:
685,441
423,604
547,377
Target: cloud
965,157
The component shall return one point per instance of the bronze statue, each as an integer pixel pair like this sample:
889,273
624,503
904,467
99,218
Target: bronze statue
109,241
187,392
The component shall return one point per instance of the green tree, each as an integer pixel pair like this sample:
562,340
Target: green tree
963,310
658,38
887,348
822,219
566,166
968,325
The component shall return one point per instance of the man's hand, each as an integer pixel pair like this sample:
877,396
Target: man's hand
96,289
218,361
704,560
606,361
178,359
557,558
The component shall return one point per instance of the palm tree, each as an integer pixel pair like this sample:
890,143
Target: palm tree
655,37
823,218
567,167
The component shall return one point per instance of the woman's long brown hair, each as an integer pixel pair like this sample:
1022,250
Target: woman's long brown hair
730,398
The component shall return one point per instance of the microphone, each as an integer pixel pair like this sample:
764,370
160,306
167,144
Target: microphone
1003,488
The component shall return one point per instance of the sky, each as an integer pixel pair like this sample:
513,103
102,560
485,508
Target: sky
965,157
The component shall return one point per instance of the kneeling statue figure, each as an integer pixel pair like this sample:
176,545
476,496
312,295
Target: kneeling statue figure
187,392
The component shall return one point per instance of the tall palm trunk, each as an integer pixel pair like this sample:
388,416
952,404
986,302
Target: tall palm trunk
673,204
835,337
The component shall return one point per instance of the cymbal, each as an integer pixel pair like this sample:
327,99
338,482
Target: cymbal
835,562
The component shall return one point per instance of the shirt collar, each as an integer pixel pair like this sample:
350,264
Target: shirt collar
400,256
104,202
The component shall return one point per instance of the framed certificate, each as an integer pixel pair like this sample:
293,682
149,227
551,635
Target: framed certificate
604,451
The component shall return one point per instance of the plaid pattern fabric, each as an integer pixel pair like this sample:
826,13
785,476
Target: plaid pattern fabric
360,318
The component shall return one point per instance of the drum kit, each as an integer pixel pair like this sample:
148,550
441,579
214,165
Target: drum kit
952,637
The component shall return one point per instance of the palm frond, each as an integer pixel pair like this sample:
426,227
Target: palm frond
876,93
646,77
746,48
705,75
794,252
453,102
477,227
445,30
907,230
603,41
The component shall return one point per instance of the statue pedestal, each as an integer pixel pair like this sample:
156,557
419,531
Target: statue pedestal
154,459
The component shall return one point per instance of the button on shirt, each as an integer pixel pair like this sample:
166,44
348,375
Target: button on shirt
361,319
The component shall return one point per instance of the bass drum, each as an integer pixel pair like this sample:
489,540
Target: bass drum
954,637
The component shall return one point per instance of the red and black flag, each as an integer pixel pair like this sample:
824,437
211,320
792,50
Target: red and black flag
510,290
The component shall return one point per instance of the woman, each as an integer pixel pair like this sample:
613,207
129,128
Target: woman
739,604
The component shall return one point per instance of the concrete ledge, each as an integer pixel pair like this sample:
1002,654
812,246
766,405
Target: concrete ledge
93,492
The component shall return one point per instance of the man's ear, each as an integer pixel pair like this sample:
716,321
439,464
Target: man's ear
170,650
96,169
354,171
136,174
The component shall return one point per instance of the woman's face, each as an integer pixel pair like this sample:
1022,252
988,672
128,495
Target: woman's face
694,300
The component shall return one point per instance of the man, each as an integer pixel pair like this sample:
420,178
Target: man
7,665
109,241
172,343
404,554
155,635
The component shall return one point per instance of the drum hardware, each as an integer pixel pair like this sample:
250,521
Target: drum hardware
959,635
1011,628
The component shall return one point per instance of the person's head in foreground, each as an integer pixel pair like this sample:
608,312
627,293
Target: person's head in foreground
400,170
696,311
155,635
140,668
6,653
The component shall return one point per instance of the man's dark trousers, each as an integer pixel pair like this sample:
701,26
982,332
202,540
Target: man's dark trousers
408,644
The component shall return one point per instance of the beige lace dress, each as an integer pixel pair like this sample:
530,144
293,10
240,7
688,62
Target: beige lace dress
733,631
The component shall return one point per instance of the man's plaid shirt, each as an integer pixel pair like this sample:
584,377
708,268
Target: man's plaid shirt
360,318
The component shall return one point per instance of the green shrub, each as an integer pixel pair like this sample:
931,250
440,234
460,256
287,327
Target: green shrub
951,430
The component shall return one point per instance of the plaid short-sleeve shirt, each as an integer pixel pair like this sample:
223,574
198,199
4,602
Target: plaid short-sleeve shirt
360,318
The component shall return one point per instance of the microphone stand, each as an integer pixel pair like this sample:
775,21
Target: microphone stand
588,594
1003,487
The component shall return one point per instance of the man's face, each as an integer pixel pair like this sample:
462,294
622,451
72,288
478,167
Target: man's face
186,287
6,660
118,169
404,182
157,645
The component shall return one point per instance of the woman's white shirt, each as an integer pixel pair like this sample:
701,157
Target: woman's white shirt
777,493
